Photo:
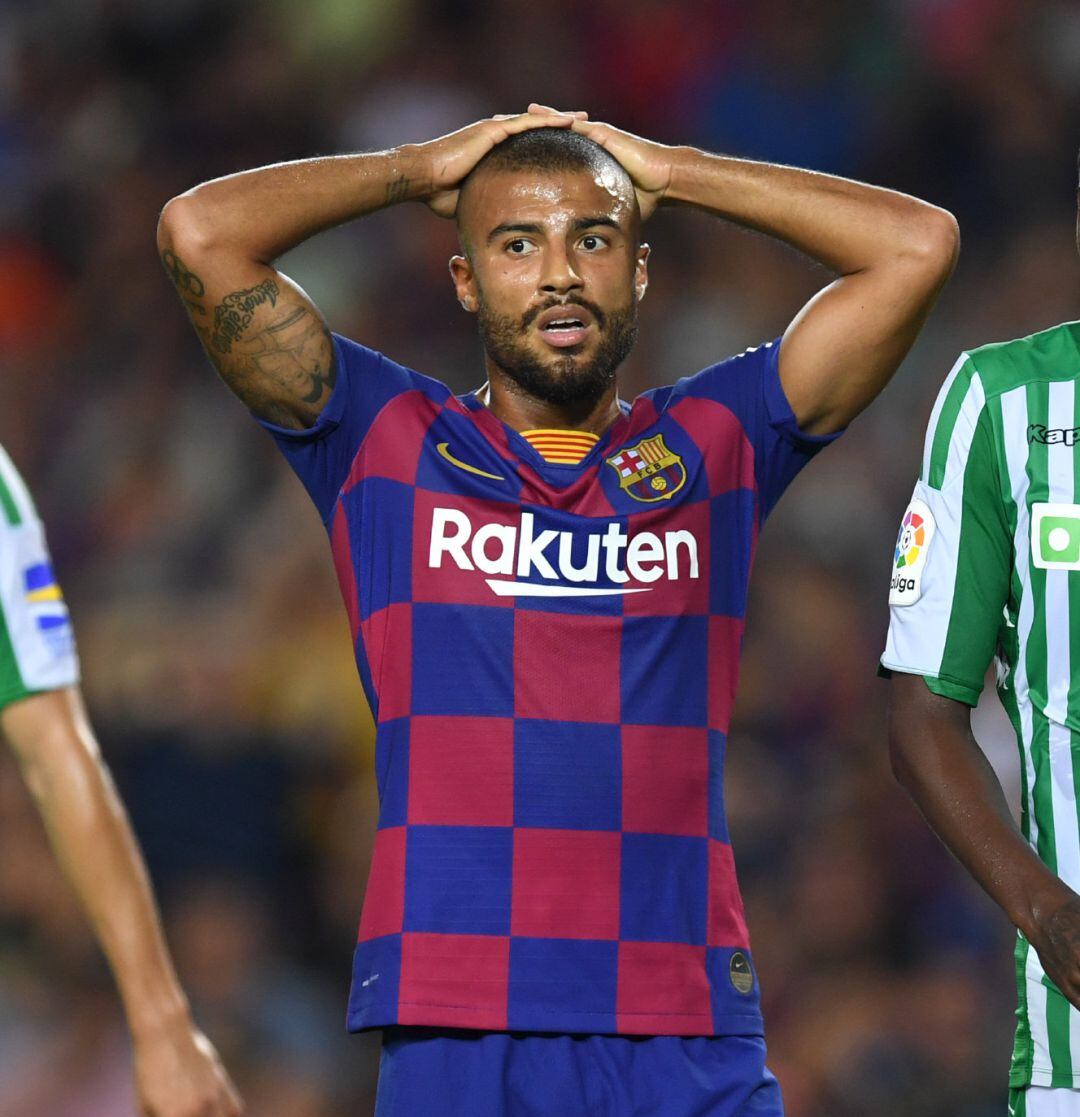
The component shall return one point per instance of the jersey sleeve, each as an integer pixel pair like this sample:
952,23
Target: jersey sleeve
37,646
749,386
953,555
321,455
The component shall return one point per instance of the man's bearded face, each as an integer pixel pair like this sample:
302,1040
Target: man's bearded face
578,375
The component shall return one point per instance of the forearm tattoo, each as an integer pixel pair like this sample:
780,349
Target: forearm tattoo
398,190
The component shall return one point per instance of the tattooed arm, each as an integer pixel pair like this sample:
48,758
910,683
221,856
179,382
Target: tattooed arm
218,242
267,340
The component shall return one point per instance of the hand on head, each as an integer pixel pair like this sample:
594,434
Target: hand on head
450,158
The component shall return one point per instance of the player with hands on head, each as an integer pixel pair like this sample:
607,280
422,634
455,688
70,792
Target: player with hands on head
987,569
546,587
44,721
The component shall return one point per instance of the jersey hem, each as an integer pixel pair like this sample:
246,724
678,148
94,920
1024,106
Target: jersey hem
780,413
10,697
568,1022
939,684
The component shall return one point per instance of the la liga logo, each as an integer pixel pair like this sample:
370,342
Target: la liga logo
912,546
910,541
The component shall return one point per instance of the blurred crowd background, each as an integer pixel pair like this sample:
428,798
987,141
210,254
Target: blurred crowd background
215,649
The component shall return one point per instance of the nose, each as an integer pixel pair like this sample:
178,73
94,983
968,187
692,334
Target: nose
558,275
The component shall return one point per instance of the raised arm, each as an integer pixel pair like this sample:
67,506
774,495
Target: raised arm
177,1071
937,760
219,240
892,254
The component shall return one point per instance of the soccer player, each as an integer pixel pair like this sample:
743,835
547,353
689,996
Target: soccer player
177,1071
987,564
546,587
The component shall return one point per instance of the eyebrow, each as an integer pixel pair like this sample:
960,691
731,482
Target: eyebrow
580,224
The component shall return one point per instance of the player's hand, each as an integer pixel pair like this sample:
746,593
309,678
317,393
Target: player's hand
449,159
1057,941
179,1074
649,164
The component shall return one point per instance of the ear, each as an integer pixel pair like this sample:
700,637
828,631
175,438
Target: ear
464,283
641,272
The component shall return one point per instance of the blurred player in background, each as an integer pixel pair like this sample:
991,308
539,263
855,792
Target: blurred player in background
987,563
546,587
42,717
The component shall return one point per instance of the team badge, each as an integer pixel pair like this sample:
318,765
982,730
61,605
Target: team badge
649,471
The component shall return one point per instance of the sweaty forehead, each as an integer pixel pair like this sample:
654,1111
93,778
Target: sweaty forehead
548,198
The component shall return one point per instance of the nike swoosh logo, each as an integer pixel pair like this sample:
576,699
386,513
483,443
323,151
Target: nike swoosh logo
444,451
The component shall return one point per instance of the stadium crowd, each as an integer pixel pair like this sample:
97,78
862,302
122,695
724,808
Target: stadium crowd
230,712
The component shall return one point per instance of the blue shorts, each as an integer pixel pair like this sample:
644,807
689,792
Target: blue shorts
425,1071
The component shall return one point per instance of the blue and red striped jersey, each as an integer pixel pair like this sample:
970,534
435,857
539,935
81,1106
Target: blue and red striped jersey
550,652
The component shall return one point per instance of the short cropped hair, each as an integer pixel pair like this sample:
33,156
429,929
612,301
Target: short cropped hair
544,150
547,149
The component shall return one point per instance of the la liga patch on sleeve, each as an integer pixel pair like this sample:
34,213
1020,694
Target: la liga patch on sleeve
909,558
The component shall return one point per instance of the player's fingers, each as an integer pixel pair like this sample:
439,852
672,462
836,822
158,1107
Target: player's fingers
531,111
578,114
593,130
528,120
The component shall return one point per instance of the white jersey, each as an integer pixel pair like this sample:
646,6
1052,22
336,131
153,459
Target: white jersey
987,565
37,648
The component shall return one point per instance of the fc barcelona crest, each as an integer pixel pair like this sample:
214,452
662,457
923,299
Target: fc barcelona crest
649,471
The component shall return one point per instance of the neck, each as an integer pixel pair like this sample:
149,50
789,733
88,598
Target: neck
517,409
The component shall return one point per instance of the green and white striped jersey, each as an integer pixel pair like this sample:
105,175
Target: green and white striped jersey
37,649
987,563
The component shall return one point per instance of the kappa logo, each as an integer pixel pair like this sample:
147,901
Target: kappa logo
1053,436
649,471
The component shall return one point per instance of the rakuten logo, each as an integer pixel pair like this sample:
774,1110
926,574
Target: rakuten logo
522,552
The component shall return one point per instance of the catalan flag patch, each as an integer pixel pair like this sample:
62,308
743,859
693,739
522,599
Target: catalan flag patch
563,447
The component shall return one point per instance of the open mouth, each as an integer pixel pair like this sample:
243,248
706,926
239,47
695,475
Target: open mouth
565,326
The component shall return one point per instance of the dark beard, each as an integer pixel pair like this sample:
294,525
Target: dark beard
562,380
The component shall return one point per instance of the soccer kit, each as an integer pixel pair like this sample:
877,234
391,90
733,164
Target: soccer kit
37,649
550,649
987,563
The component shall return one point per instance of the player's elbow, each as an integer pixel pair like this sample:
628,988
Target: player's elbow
184,228
933,242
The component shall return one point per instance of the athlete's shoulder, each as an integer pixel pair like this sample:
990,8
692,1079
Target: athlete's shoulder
360,360
727,381
16,503
1050,354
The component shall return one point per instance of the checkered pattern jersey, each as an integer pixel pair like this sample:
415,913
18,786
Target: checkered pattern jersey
550,652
